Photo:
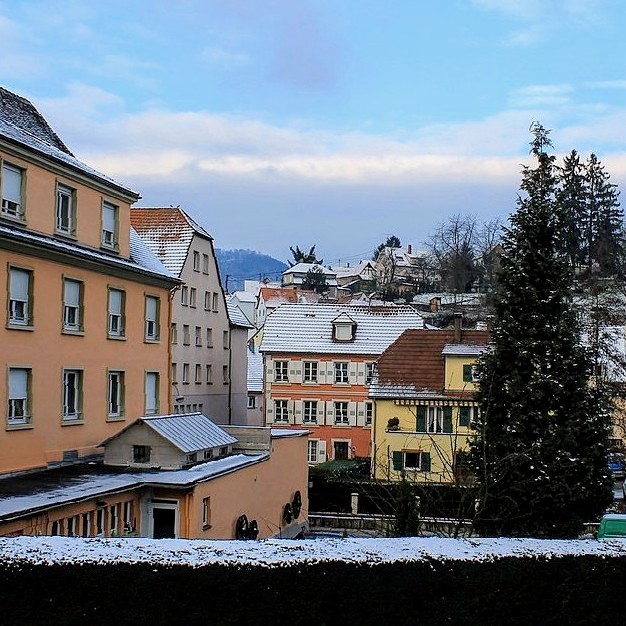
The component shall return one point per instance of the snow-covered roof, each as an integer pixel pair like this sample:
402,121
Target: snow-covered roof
20,122
308,328
168,232
343,271
141,259
255,371
461,349
289,553
189,432
303,268
461,299
244,296
235,315
31,493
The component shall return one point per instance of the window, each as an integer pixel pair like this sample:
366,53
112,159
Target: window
225,374
252,402
198,336
470,374
341,413
19,396
434,419
152,318
206,512
209,374
369,373
205,263
174,332
192,458
281,413
114,520
192,296
72,309
208,455
344,331
72,526
184,295
207,300
117,303
110,220
12,191
152,393
198,377
185,373
226,340
86,525
467,415
128,518
209,337
141,454
100,515
66,211
312,450
72,395
116,394
20,297
174,373
369,410
309,411
186,335
341,373
341,450
196,261
413,460
281,371
310,372
214,302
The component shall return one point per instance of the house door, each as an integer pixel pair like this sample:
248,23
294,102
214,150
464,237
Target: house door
341,450
164,520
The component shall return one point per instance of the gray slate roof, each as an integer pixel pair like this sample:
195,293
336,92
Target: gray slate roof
189,432
236,317
307,328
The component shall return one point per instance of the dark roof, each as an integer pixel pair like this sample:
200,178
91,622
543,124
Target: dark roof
415,358
21,113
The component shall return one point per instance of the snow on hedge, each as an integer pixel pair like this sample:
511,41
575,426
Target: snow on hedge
279,552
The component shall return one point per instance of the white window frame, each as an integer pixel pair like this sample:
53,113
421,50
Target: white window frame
309,411
72,305
434,419
110,225
152,310
20,296
152,382
281,371
198,331
310,371
209,374
72,395
116,317
252,402
313,450
115,393
341,376
192,297
205,263
340,412
281,411
186,370
196,261
369,413
12,194
198,374
65,210
19,381
369,373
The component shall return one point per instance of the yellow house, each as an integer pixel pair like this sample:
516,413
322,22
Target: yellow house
423,391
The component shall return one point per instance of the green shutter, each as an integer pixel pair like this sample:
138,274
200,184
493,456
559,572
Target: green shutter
447,419
464,416
467,373
425,467
397,460
420,412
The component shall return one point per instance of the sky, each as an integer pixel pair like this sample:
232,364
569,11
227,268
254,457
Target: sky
277,123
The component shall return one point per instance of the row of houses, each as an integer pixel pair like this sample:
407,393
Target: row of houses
123,366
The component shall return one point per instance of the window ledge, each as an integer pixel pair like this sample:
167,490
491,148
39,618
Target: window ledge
27,327
116,418
75,422
148,340
28,426
15,219
117,337
115,249
75,333
64,235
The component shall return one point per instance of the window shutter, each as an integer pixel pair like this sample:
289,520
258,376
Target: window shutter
421,419
352,418
447,419
72,293
298,411
151,308
467,373
360,414
108,218
12,184
115,302
397,460
464,416
19,284
321,451
425,467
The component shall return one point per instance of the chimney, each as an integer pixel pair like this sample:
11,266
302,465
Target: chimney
409,249
458,327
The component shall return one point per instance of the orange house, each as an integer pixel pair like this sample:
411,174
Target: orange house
318,364
83,346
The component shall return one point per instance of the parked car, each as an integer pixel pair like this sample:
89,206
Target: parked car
616,462
612,525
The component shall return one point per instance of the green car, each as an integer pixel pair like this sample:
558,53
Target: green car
612,525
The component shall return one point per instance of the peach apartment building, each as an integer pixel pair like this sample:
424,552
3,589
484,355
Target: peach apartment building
84,345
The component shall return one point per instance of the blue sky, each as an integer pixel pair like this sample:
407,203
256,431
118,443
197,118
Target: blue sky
328,122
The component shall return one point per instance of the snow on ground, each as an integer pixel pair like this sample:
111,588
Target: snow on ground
278,552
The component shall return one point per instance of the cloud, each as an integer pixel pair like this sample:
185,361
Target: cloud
225,58
541,96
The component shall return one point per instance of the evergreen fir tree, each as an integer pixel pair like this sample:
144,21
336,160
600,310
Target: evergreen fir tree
540,451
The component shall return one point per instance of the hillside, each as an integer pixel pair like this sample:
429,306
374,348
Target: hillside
239,265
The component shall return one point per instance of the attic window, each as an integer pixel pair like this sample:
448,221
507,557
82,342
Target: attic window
141,454
192,458
344,331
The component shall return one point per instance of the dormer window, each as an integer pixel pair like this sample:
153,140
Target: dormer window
344,328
